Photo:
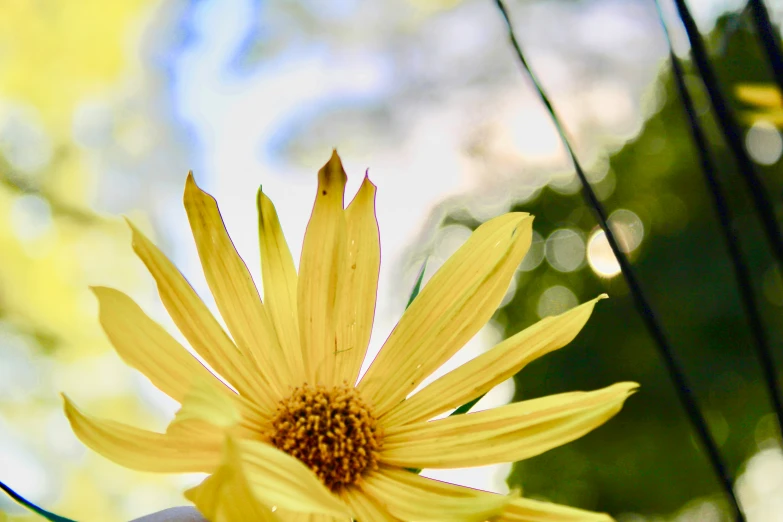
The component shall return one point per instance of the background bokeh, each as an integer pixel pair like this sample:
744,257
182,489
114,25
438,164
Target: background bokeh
105,106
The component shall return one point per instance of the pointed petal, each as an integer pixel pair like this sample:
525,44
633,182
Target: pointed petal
481,374
146,346
409,496
359,286
323,255
365,508
197,324
146,450
235,293
225,496
278,479
203,403
504,434
451,308
528,510
280,282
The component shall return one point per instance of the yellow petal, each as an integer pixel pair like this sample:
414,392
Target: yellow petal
291,516
146,450
280,281
527,510
206,404
365,508
235,293
409,496
761,95
489,369
147,347
197,324
278,479
323,255
225,496
505,434
203,403
451,308
359,285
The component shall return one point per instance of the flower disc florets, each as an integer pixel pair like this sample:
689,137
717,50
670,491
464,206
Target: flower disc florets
331,430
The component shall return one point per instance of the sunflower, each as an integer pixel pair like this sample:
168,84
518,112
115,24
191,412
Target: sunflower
289,431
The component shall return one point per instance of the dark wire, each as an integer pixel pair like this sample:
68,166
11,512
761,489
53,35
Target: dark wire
768,38
730,236
672,365
731,133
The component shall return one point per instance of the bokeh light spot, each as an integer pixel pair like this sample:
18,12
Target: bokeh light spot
772,286
628,229
555,300
23,141
764,143
565,249
600,255
31,217
760,487
535,255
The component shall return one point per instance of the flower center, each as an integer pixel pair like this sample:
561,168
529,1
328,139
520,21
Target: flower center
331,430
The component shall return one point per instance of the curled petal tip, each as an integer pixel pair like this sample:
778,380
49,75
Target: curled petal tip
332,173
367,184
524,221
629,387
134,229
190,182
334,160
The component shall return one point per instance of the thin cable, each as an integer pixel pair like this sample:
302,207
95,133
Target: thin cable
731,133
739,266
672,365
768,37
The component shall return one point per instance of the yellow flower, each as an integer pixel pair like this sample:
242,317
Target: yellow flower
296,435
766,99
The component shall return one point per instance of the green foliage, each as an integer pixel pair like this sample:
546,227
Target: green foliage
645,460
417,285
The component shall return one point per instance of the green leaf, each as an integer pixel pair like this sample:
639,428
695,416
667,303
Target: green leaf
467,406
32,507
459,411
417,286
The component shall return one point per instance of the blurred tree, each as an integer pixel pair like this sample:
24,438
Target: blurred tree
645,460
55,57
